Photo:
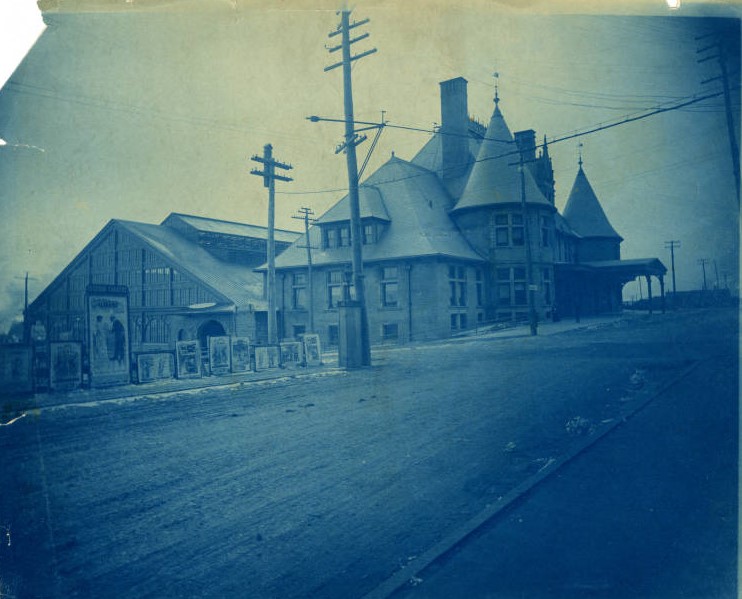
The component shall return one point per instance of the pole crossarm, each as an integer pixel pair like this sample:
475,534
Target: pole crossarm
352,58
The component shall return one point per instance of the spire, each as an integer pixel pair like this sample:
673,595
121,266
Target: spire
545,150
583,211
494,178
579,153
496,75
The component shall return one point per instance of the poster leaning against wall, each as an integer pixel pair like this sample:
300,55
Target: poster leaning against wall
65,368
188,357
219,350
240,354
108,335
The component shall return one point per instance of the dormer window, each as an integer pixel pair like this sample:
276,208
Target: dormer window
337,236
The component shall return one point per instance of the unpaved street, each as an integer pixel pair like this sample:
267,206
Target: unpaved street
319,487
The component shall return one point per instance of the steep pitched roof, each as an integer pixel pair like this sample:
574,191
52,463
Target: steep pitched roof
225,227
418,226
236,283
494,178
371,205
430,157
583,211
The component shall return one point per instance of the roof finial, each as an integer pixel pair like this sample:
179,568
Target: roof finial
579,151
496,75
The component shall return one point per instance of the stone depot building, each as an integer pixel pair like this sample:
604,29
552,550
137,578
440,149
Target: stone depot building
444,250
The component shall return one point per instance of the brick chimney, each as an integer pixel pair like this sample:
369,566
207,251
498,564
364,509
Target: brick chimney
526,142
454,127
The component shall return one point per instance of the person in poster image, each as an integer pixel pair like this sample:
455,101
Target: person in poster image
100,348
116,341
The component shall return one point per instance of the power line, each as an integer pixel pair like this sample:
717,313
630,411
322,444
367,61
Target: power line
695,99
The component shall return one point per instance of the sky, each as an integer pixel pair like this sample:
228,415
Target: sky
137,110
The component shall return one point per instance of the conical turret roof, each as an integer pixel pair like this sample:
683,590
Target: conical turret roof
584,212
495,178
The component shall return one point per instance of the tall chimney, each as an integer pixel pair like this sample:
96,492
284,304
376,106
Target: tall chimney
526,142
454,127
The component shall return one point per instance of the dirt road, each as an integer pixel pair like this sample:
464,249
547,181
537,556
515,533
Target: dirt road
320,487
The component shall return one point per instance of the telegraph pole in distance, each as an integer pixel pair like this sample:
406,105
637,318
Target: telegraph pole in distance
269,180
305,215
703,262
671,245
349,146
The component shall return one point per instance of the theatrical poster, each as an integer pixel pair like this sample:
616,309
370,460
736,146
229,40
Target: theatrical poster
261,357
312,349
240,354
155,366
65,365
188,357
219,350
15,369
292,354
108,342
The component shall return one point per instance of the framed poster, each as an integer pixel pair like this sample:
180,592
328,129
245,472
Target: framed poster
108,337
15,369
219,351
312,349
240,354
155,367
188,358
65,365
292,354
267,356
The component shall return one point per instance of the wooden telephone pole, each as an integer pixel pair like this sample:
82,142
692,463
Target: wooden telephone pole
305,215
703,262
671,245
352,139
269,180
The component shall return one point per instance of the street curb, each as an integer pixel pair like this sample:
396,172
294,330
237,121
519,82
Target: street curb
141,392
452,540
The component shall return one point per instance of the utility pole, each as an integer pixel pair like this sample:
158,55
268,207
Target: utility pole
718,45
716,272
352,139
671,245
703,262
532,316
26,323
269,180
305,215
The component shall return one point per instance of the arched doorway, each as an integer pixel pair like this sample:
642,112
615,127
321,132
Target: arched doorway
211,328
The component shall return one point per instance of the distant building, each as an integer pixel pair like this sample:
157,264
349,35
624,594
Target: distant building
444,239
187,278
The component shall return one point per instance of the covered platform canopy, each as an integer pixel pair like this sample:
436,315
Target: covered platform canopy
603,280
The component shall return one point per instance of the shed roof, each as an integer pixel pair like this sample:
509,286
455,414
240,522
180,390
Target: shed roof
225,227
236,283
584,212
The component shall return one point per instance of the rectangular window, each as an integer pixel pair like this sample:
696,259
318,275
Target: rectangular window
299,291
331,238
545,235
299,330
462,321
369,234
457,285
334,288
389,287
344,236
454,321
547,286
390,331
